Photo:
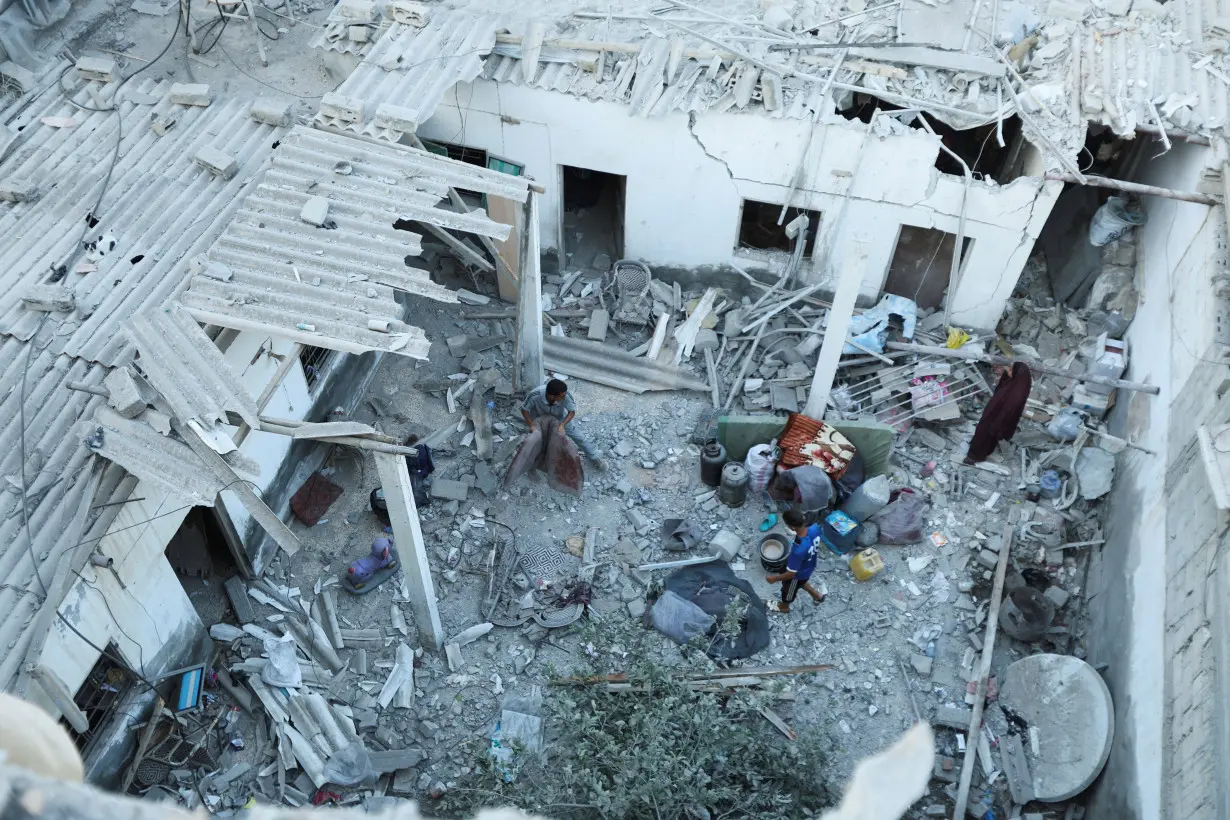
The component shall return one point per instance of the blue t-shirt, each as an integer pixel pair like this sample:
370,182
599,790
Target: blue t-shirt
802,558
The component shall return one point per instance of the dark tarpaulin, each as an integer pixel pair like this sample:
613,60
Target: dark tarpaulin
549,449
713,588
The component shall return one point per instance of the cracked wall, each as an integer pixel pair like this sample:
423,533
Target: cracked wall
688,174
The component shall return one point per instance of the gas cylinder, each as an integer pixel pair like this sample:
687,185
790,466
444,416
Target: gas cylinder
712,459
733,490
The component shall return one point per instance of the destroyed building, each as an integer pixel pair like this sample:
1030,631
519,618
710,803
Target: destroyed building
220,284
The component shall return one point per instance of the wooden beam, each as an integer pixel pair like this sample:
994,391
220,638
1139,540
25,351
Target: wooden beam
260,511
984,672
408,535
59,694
467,254
848,283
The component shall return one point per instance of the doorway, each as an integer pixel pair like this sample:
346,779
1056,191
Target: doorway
592,218
201,555
921,265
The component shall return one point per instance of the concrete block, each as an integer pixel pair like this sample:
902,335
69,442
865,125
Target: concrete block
449,489
49,298
125,398
191,94
706,339
453,653
1057,596
929,438
396,118
98,69
951,717
217,162
22,77
340,107
359,11
988,558
599,320
410,12
637,519
922,664
17,190
161,125
315,211
358,34
270,112
391,761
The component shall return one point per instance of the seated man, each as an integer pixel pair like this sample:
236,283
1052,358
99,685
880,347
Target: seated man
807,489
552,399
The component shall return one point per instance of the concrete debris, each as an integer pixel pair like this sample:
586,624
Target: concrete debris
47,298
96,69
217,162
470,635
124,395
16,190
270,112
197,94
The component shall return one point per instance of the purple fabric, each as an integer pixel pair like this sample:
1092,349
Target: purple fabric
368,565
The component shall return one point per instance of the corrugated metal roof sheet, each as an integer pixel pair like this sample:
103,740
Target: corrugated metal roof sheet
160,206
412,68
57,475
162,460
187,369
323,286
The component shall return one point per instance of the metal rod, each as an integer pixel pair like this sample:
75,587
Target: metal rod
1137,188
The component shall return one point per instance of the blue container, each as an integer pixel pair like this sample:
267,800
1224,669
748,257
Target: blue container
839,532
1050,484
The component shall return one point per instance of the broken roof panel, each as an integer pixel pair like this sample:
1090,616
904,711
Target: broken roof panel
187,368
56,477
158,208
331,285
409,70
161,460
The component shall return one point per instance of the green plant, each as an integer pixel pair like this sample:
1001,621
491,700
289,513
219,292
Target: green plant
656,749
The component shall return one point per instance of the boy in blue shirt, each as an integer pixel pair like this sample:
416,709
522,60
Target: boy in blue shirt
800,565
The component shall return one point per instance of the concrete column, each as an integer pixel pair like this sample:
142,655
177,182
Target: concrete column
404,516
528,371
853,267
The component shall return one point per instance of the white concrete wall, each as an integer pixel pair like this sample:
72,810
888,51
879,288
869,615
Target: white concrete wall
686,183
143,620
289,401
1150,582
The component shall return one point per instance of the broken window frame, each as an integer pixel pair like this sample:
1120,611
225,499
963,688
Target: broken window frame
97,703
314,361
815,218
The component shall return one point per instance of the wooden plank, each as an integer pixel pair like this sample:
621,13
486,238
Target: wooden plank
260,511
659,337
404,516
1016,769
528,369
984,672
464,251
507,277
333,428
778,724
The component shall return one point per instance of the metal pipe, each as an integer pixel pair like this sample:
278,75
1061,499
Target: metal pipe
1137,188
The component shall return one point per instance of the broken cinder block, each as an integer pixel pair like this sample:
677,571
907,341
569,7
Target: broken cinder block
98,69
48,298
315,211
358,34
340,107
358,11
191,94
18,190
410,12
396,118
125,397
270,112
161,125
217,162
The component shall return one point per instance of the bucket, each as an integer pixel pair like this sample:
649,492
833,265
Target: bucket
774,552
1026,614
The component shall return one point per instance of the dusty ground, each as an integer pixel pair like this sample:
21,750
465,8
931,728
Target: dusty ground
864,629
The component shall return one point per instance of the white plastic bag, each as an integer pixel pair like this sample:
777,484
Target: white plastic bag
282,668
1066,425
760,464
1115,218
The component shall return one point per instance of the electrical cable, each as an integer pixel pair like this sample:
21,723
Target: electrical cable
222,21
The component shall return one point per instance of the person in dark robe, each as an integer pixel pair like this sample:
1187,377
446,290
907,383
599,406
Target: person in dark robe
1002,414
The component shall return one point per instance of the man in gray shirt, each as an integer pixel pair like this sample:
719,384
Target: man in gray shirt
553,399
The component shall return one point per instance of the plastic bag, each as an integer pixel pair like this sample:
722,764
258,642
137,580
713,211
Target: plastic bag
901,522
283,667
1066,425
1115,218
350,766
760,464
679,619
